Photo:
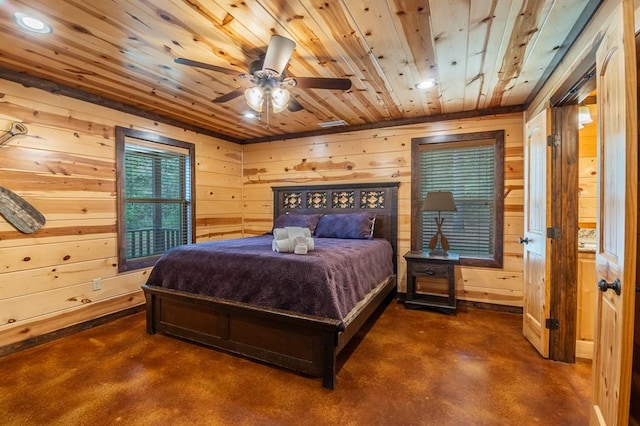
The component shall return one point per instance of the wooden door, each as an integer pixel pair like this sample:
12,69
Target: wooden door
616,219
534,241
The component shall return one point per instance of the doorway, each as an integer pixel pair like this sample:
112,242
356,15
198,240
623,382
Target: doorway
587,209
567,299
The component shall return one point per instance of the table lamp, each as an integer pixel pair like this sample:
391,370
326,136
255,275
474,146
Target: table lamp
439,201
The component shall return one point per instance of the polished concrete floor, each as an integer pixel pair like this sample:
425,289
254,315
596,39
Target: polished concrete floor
410,368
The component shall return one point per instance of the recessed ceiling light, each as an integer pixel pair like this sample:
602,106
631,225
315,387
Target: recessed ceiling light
427,84
249,115
32,24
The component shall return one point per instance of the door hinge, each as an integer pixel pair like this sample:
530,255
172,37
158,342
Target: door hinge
553,232
553,140
552,324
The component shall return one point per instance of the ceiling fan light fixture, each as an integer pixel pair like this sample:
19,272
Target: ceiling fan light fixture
255,98
278,55
279,99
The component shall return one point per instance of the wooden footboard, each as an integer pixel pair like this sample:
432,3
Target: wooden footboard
302,343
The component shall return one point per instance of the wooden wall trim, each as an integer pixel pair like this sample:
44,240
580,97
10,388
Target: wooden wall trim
59,89
67,331
393,123
590,9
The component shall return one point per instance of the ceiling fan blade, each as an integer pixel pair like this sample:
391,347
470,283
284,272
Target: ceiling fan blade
197,64
294,105
322,83
228,96
278,54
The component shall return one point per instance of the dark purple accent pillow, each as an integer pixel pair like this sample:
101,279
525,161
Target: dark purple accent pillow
302,220
347,225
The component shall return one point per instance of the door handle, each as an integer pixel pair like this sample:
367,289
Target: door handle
524,240
603,285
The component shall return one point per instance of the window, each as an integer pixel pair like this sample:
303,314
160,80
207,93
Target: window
155,181
471,166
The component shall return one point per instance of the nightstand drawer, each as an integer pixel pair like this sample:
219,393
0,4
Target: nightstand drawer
416,268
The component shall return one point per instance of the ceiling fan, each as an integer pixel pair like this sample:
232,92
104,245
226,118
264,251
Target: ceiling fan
269,79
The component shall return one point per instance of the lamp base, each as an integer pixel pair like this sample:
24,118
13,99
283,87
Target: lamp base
438,252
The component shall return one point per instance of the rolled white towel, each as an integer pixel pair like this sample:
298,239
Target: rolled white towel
310,244
280,234
282,246
288,239
294,231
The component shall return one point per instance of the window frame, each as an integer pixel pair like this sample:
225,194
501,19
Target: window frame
498,136
121,134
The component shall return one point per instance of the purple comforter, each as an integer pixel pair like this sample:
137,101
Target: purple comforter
326,282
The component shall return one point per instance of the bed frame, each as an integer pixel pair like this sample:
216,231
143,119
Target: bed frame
302,343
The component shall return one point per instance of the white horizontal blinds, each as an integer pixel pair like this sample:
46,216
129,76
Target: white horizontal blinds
157,198
467,169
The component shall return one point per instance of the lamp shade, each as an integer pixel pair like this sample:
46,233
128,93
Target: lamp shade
439,201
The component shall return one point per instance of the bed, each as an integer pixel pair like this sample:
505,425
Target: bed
291,334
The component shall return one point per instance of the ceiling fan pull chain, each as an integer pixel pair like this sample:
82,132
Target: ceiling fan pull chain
266,101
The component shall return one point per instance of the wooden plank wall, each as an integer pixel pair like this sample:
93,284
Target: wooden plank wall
65,167
385,155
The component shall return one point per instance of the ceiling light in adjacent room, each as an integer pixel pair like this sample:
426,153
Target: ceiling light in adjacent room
32,24
427,84
584,116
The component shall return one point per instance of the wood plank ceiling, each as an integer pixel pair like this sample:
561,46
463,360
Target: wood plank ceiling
486,56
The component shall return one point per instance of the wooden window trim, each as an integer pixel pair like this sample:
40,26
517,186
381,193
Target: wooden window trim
121,134
416,227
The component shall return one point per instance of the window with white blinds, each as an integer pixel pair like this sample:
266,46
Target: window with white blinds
155,197
470,167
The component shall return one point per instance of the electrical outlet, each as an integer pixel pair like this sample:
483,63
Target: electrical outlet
97,284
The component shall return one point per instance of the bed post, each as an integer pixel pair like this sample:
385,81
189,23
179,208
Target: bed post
150,305
329,362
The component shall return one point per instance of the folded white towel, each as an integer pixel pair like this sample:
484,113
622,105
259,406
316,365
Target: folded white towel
291,239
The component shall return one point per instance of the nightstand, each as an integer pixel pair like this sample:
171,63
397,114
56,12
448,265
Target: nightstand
421,264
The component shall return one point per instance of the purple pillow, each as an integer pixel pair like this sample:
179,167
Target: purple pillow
302,220
347,225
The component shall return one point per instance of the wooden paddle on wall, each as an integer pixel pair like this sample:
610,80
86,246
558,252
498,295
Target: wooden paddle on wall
20,213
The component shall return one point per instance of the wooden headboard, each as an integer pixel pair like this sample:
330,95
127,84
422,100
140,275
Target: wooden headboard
378,198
